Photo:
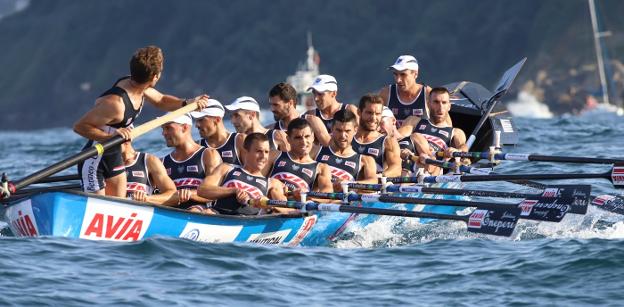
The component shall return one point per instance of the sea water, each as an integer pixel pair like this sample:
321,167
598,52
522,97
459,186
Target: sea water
392,261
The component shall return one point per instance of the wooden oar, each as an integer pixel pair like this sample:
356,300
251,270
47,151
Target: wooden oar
97,149
577,195
531,157
26,192
615,175
533,208
498,222
58,178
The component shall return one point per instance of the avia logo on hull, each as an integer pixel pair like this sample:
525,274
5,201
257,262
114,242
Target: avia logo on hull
22,220
105,220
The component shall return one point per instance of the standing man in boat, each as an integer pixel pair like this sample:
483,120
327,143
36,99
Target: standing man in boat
434,134
189,163
114,113
296,169
283,100
369,141
209,122
246,119
344,163
146,173
406,97
325,90
231,186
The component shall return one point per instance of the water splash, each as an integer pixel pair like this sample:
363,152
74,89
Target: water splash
527,105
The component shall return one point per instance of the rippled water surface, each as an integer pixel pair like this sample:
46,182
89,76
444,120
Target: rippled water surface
391,261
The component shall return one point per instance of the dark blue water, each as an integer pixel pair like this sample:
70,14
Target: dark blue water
392,261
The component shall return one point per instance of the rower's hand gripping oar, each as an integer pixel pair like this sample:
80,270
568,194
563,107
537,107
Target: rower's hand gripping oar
98,149
498,222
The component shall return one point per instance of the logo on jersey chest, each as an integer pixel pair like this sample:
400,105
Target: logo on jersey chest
139,174
325,158
444,133
253,191
281,163
192,169
417,112
422,127
373,151
350,164
227,154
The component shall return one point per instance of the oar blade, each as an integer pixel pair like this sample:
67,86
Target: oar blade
497,222
617,175
549,209
611,203
580,192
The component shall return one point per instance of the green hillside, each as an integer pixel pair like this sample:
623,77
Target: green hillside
58,56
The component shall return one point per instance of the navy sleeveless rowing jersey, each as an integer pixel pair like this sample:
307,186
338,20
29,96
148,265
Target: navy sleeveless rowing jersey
403,110
345,168
439,138
293,174
138,175
271,136
279,125
187,174
227,150
237,177
130,113
328,121
375,149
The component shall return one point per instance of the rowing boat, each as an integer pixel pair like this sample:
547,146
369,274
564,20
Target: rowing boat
79,215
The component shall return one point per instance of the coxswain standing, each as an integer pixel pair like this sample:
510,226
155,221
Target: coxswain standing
114,113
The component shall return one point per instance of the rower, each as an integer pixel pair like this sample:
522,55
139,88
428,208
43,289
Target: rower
406,97
325,90
344,163
369,141
146,173
232,186
113,114
435,134
296,169
283,101
188,163
387,125
246,119
209,122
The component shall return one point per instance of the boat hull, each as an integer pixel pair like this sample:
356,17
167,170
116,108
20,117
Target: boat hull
77,215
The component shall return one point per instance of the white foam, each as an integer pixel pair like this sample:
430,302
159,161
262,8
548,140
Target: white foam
527,105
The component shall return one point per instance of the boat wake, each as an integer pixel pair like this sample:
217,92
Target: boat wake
394,231
527,105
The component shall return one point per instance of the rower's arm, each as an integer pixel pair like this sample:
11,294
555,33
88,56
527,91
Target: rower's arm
276,191
211,159
368,172
210,188
408,125
169,102
459,139
159,178
239,142
422,147
281,141
323,179
392,156
319,129
107,110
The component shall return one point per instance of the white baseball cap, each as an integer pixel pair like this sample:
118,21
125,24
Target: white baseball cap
214,109
324,83
386,112
244,103
405,62
183,120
